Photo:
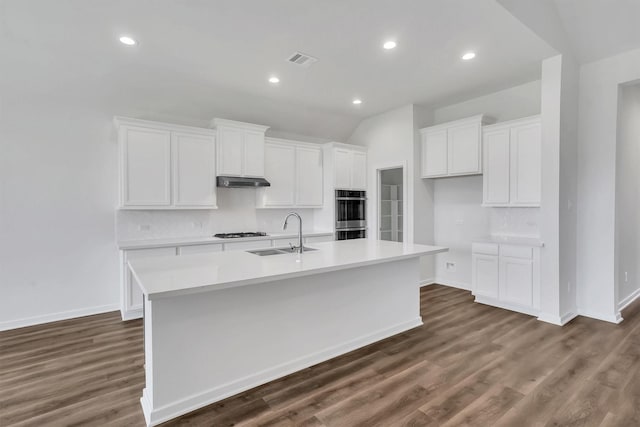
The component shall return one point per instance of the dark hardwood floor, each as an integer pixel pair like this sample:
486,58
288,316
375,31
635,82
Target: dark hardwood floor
469,365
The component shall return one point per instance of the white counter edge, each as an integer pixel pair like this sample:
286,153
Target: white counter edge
271,278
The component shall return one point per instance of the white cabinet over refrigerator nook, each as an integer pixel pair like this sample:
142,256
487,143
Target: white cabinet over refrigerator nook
240,148
453,148
165,166
512,163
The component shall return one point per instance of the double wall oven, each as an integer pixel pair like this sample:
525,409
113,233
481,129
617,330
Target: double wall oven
351,214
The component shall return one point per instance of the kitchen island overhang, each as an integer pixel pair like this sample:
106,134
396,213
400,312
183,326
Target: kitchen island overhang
222,323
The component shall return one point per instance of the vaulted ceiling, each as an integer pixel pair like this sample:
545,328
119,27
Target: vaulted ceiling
198,59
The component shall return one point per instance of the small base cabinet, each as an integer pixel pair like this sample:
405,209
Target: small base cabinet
507,276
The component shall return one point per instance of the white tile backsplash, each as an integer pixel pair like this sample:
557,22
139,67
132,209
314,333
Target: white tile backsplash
236,212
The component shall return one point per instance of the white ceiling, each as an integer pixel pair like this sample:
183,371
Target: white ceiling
600,28
198,59
589,30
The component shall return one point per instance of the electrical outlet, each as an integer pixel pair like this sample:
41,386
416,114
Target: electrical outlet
626,276
144,227
196,224
451,266
569,286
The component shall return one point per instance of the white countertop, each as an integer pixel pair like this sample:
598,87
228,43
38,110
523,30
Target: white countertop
511,239
172,276
201,240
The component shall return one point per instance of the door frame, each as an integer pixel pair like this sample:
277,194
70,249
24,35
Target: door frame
405,200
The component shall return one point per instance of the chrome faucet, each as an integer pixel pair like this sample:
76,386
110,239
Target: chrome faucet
300,247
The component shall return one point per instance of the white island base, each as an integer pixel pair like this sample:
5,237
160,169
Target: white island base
206,346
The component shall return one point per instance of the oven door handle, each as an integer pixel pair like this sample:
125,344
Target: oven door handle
351,229
351,198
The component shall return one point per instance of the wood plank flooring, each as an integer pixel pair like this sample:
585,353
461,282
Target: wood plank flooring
469,365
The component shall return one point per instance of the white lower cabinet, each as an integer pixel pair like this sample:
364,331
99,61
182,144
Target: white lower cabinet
506,276
319,239
200,249
131,295
251,244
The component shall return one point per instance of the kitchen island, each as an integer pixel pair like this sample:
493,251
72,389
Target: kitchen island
221,323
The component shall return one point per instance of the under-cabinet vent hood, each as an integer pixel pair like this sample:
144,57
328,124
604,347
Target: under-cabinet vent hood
241,182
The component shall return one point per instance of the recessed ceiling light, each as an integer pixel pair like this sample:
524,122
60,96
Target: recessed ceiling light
127,40
274,79
389,45
469,55
357,101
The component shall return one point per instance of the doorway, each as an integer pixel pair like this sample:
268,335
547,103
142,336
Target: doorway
391,204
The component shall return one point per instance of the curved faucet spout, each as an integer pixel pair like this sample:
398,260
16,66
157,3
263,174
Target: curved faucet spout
300,246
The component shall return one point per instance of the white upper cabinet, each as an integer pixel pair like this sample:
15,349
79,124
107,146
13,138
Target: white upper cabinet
295,171
145,163
280,169
453,148
165,166
240,148
194,170
512,163
434,153
309,173
350,167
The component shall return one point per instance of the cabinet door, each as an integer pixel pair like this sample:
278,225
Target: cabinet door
132,295
280,163
200,249
319,239
359,171
464,149
526,164
230,151
254,154
194,172
434,153
343,162
485,275
495,180
251,244
309,176
146,167
516,281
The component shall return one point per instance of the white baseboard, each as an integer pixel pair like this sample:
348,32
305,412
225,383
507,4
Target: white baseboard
175,409
612,318
628,300
557,320
452,283
507,306
54,317
131,314
427,282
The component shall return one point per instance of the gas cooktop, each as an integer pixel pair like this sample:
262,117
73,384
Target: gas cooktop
242,234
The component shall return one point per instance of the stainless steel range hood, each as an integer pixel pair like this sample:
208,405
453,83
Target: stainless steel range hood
241,182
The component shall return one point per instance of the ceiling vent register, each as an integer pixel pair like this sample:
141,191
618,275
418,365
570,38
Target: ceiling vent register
302,59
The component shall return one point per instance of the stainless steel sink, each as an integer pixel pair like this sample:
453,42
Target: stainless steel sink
278,251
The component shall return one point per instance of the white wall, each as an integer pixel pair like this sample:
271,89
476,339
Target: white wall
598,107
459,217
390,140
628,195
58,176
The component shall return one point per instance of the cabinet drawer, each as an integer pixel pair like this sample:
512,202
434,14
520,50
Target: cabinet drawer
253,244
200,249
512,251
484,248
